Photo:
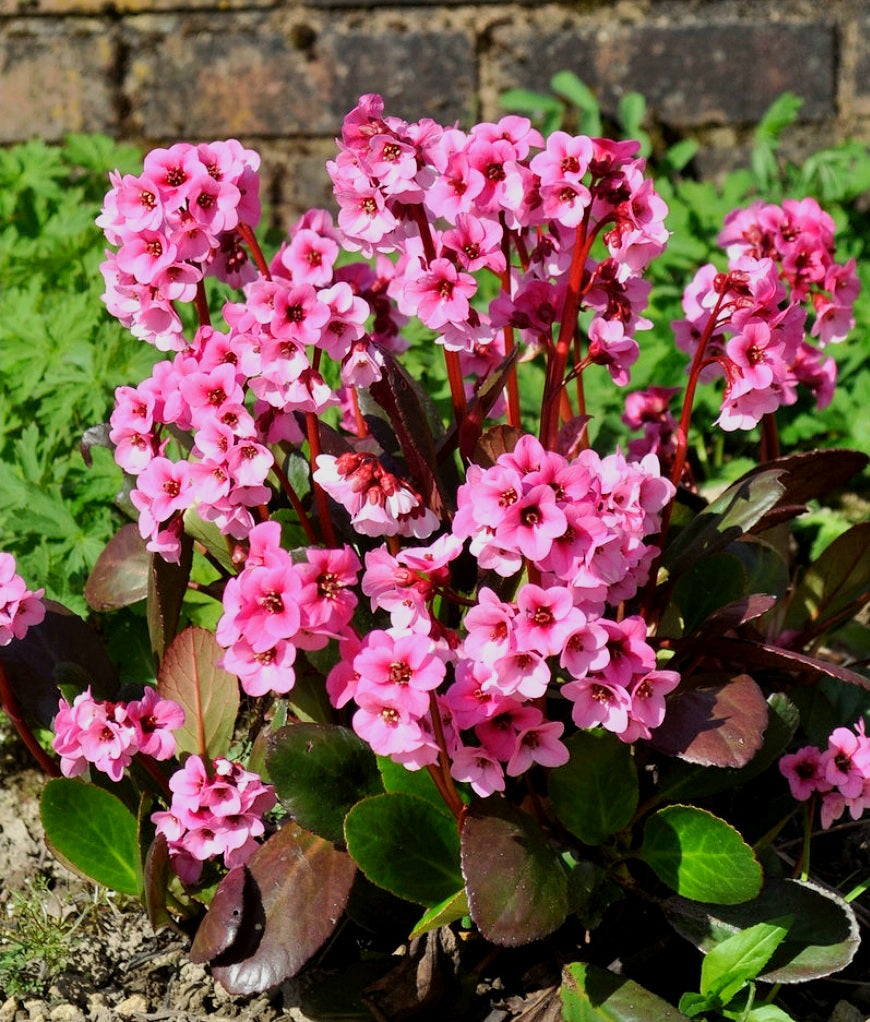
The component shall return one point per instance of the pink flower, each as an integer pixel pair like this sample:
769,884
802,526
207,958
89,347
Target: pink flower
20,608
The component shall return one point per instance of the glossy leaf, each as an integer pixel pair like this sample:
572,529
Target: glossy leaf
167,584
442,914
120,575
705,587
809,475
61,650
700,856
719,722
208,694
210,536
320,771
93,831
763,654
402,398
156,877
395,777
735,512
591,994
516,884
279,909
680,779
595,793
406,845
822,939
837,583
730,965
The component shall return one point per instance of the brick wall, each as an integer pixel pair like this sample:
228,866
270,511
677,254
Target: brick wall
280,75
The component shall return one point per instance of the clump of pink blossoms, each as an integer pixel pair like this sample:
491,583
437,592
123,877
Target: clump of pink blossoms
20,608
217,810
840,773
108,735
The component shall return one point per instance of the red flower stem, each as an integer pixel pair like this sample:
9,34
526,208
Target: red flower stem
362,428
769,450
295,500
567,327
451,358
444,782
201,303
513,387
689,399
250,240
320,500
156,774
13,712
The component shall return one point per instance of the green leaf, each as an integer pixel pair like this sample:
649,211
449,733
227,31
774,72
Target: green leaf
396,777
516,883
591,994
595,793
632,109
208,694
700,856
729,966
822,939
779,115
726,519
446,912
527,102
405,845
838,582
94,832
320,771
706,586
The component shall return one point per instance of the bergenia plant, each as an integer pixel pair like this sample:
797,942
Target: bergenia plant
468,673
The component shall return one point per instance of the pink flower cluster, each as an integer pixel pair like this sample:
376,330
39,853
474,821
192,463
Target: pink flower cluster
840,773
20,608
580,529
277,605
751,320
216,810
172,224
108,735
451,203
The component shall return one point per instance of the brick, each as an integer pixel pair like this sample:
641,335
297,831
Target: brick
691,74
55,77
259,76
862,68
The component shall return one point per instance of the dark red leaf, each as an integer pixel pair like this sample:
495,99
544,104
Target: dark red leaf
62,650
278,911
120,576
717,723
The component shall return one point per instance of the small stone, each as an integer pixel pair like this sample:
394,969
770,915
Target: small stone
35,1011
8,1009
66,1013
135,1003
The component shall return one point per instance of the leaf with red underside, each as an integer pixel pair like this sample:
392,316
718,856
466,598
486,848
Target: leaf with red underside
719,722
754,654
208,694
61,650
808,476
516,884
399,396
120,576
273,914
167,584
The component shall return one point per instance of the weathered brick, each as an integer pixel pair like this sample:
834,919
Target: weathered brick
262,76
98,7
55,77
862,68
691,74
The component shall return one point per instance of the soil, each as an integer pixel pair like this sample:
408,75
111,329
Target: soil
101,961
